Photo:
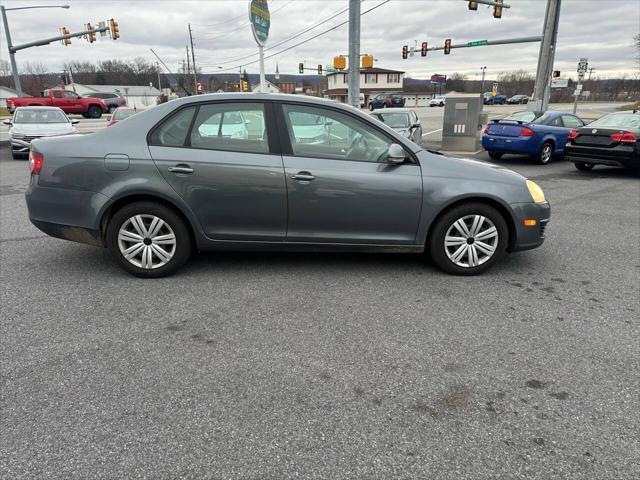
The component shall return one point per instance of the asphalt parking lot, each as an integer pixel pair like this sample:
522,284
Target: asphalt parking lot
255,365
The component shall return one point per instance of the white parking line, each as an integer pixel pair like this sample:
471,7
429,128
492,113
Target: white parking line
433,131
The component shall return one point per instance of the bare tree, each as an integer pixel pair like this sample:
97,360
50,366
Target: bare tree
5,74
37,77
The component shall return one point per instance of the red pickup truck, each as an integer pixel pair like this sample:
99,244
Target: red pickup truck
68,101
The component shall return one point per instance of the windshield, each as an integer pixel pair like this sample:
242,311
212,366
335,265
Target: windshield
395,120
122,114
523,116
40,116
617,120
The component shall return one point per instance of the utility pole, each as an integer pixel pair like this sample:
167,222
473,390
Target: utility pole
482,81
193,57
354,53
546,57
159,84
591,69
12,55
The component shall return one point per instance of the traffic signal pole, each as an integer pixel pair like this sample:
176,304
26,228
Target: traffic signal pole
542,89
354,53
12,53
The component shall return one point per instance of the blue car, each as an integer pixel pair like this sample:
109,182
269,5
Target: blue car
540,135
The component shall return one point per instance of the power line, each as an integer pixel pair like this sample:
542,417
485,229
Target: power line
293,37
225,21
305,41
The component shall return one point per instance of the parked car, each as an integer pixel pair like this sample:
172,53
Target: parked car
540,135
610,140
68,101
362,100
120,114
489,99
158,189
386,100
403,120
29,123
437,102
111,100
518,99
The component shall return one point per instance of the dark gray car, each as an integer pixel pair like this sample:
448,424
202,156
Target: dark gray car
274,172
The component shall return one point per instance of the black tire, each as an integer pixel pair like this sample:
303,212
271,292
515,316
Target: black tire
94,111
495,155
545,155
371,107
182,248
584,167
436,245
19,156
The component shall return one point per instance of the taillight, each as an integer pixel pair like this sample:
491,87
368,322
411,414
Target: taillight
485,130
526,132
36,159
625,137
573,134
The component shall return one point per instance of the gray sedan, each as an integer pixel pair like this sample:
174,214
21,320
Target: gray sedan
158,186
403,120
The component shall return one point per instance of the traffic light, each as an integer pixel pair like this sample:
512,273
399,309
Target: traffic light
556,74
65,41
367,61
113,29
473,5
447,46
319,69
497,11
405,51
90,36
423,49
301,67
339,62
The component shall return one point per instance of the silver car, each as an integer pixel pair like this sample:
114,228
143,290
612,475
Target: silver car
29,123
157,187
403,120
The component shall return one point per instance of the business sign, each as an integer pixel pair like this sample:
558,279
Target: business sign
478,43
260,20
559,82
438,79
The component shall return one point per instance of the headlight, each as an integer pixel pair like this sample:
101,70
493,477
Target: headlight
536,192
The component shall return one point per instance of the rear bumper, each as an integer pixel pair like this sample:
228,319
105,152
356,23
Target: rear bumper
527,238
523,145
67,232
619,156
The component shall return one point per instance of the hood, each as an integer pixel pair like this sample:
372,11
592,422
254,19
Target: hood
467,168
42,129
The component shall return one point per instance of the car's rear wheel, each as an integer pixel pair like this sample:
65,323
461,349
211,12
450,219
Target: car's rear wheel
148,240
371,106
493,155
468,239
585,167
546,153
94,111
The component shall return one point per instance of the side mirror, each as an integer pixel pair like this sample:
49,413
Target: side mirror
396,154
7,122
75,122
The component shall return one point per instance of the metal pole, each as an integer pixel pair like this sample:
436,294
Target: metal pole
546,56
193,57
482,81
12,56
263,80
575,100
159,84
354,53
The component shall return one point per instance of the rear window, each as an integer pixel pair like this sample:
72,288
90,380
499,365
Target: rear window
523,116
544,118
173,131
617,120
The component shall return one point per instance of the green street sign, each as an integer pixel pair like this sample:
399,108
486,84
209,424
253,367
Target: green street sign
260,20
478,43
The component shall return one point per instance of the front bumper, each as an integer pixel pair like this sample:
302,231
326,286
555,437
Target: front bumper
525,237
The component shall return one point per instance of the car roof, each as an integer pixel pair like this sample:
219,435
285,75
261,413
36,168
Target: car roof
392,110
41,107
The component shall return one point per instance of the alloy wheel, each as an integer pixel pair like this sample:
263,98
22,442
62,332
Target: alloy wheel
471,241
147,241
545,155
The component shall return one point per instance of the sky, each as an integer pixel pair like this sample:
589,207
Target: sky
601,30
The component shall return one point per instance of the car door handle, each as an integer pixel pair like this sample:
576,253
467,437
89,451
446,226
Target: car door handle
181,169
303,176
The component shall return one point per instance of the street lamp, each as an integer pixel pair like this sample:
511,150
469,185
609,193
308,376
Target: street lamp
482,82
14,67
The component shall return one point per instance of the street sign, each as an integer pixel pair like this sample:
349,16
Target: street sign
494,89
438,79
559,82
478,43
582,65
260,20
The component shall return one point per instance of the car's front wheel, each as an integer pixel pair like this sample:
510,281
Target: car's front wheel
584,167
148,240
371,106
468,239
